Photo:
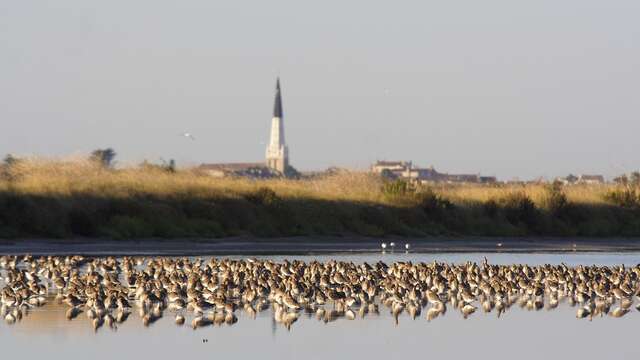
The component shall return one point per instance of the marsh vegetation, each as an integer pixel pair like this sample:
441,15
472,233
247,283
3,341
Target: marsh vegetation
47,198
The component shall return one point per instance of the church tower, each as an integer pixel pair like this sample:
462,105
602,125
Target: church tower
277,151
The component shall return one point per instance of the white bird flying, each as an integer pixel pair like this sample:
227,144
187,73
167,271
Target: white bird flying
188,135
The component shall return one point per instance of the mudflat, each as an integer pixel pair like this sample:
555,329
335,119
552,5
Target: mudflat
311,245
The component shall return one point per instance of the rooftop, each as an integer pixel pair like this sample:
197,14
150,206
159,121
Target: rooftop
232,166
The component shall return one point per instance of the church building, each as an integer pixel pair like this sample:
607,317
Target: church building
277,154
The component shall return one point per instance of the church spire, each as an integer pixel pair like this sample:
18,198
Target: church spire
277,106
277,151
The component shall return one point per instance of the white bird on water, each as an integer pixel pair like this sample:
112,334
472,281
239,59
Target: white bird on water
407,246
383,245
392,245
188,135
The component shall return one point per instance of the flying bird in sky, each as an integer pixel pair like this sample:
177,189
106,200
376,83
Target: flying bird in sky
188,135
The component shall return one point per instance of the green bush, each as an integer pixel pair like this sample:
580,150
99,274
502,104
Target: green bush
414,212
520,209
204,228
491,209
126,227
435,206
556,201
264,196
82,223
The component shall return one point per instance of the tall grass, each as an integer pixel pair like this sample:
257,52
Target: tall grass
70,198
62,178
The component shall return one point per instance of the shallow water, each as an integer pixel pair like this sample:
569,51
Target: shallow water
518,333
570,259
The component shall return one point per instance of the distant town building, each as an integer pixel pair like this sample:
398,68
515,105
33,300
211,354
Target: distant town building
591,179
582,179
392,169
277,151
406,170
540,180
251,170
277,154
422,174
330,171
488,179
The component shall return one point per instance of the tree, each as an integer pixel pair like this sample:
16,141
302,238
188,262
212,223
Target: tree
8,164
571,179
621,180
171,167
10,161
635,178
291,172
103,157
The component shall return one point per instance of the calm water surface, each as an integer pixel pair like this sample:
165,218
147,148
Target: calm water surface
518,333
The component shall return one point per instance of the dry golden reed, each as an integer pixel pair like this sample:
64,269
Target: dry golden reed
65,177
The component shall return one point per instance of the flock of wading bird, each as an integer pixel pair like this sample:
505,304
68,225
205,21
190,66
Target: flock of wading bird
210,291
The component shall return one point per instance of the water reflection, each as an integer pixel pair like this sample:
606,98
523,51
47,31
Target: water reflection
104,293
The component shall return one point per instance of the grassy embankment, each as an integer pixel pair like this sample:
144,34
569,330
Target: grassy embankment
73,199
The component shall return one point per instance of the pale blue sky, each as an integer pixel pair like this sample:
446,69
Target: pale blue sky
501,87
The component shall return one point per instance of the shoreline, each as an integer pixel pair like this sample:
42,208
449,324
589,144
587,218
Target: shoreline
311,245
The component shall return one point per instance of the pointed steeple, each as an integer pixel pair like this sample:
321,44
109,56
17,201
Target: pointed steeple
277,150
277,106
